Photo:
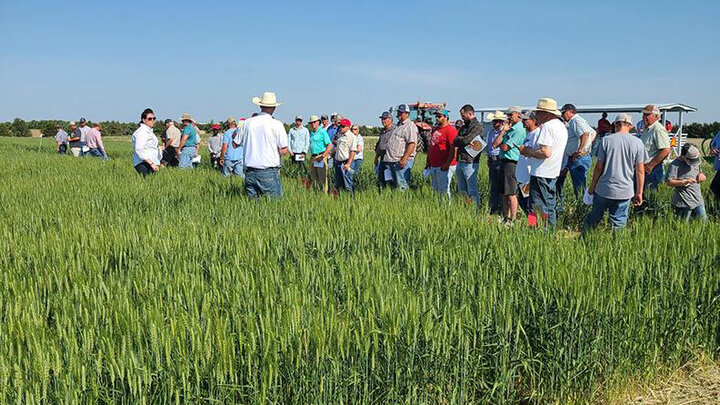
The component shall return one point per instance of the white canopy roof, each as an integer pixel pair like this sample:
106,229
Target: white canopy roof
610,108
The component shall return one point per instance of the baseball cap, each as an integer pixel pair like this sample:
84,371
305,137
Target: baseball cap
215,126
651,109
334,114
345,122
691,153
514,109
384,115
623,117
298,118
529,114
72,123
82,120
403,108
568,107
323,117
167,121
442,112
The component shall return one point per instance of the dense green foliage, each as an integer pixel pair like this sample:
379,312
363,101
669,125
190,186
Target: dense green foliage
176,288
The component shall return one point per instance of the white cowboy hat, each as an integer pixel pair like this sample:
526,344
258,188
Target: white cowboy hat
497,116
186,117
548,105
268,100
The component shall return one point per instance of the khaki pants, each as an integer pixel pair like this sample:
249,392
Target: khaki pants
318,175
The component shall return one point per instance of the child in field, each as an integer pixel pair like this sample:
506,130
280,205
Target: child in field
685,175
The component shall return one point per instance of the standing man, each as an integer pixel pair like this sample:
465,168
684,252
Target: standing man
715,151
94,142
75,140
385,133
231,158
171,142
513,135
657,144
299,142
61,137
325,122
618,177
495,169
400,149
333,128
468,154
265,142
346,145
522,173
320,147
214,144
441,154
84,129
546,159
603,126
188,142
577,158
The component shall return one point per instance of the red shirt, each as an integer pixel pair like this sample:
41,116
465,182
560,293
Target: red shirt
441,143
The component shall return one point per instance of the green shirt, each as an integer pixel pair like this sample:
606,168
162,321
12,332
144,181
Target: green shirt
319,141
513,139
191,134
654,137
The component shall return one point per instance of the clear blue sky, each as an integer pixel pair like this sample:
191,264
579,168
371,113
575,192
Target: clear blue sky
108,60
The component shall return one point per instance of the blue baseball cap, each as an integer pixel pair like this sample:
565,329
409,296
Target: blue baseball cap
384,115
403,108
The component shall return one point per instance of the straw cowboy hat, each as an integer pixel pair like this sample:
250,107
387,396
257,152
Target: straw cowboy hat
548,105
186,117
268,100
497,116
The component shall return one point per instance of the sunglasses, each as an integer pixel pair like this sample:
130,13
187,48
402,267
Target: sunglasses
151,118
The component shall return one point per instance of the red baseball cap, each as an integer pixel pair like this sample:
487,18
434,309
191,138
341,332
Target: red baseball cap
216,126
345,122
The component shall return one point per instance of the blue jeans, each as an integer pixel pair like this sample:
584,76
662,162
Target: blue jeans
542,195
186,156
343,178
617,209
686,213
467,181
97,153
441,180
260,182
401,175
655,178
356,165
578,170
233,167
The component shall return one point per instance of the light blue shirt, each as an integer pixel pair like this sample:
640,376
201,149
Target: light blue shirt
299,139
492,134
232,153
715,143
576,127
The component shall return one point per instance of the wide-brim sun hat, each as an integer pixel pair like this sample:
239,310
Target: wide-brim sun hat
269,99
186,117
313,118
497,116
548,105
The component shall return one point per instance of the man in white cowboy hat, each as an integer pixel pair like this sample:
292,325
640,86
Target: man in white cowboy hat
188,142
546,160
498,120
265,142
618,177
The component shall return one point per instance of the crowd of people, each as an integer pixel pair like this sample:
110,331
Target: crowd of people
529,156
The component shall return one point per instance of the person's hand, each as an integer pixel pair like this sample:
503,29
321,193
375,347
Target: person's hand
477,145
574,156
564,172
504,147
714,151
445,167
523,150
402,163
638,199
648,169
346,166
154,167
591,190
688,182
506,127
319,158
222,162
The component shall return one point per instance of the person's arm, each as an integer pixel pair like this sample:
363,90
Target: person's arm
182,143
581,145
350,160
658,159
409,149
223,151
543,152
599,168
499,138
306,150
639,184
701,177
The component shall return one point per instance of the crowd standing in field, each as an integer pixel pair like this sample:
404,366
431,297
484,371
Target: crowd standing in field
529,155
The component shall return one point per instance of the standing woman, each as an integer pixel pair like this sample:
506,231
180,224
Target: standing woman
146,154
357,162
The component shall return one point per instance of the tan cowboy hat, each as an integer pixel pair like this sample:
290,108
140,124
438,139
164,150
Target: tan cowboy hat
186,117
497,116
313,118
230,120
268,100
548,105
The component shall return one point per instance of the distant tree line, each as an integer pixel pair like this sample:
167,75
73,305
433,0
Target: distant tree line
21,128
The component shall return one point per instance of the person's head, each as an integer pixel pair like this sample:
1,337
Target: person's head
314,122
324,120
58,127
386,119
215,129
168,123
355,129
546,110
98,126
650,114
498,119
568,111
231,123
467,112
514,113
337,119
441,117
623,123
186,119
83,122
529,121
459,124
298,121
333,117
148,117
604,115
344,125
403,112
72,125
690,154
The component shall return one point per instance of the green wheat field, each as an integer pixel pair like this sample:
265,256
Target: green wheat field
177,289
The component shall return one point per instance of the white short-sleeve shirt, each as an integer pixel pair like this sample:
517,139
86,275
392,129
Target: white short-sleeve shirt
262,136
553,134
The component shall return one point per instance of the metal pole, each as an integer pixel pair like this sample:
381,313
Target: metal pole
680,131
